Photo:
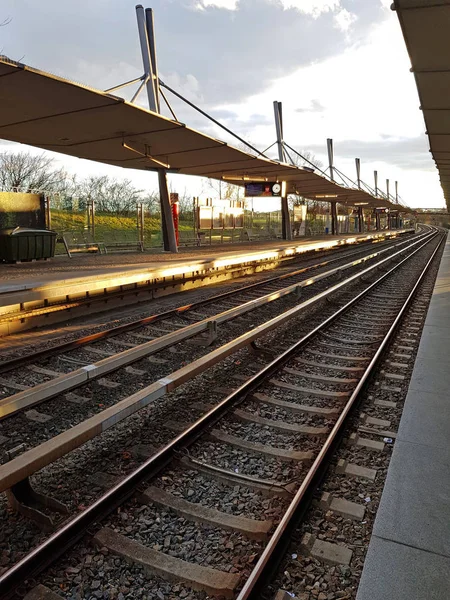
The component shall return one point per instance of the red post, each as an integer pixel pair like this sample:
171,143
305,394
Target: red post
175,213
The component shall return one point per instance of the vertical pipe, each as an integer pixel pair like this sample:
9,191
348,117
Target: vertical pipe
358,172
334,225
93,218
375,175
360,219
387,189
152,46
396,192
48,213
279,129
330,157
148,50
145,51
334,229
168,229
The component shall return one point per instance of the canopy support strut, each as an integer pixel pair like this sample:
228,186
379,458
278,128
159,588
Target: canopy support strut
151,80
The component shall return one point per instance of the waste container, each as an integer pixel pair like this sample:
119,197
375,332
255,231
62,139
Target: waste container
22,243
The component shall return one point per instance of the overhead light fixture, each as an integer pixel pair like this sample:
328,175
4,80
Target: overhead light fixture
243,178
326,196
360,203
146,155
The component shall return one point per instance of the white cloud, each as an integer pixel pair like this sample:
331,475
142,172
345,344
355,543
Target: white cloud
309,7
344,19
365,97
228,4
312,7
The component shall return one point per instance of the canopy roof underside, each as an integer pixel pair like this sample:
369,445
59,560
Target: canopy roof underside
426,29
42,110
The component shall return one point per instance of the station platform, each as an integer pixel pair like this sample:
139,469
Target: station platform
63,288
62,270
409,552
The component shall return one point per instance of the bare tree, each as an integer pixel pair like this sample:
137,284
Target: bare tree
109,194
152,203
224,190
22,171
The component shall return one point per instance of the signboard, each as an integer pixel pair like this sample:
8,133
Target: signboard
219,214
255,189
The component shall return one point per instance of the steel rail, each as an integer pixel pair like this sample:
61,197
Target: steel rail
113,331
47,552
30,461
39,393
274,551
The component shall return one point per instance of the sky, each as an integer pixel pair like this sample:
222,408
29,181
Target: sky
339,67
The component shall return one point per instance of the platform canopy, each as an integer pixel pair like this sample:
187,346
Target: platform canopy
426,29
42,110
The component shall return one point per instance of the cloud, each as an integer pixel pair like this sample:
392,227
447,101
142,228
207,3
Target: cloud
231,54
315,106
311,7
405,153
344,20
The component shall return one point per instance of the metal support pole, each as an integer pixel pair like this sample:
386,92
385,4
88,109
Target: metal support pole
148,49
146,58
285,216
93,218
358,172
330,157
152,46
387,189
360,219
277,109
48,214
168,229
396,192
375,175
334,219
285,219
140,223
377,221
90,209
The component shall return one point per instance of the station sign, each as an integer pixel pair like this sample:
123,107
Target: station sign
254,189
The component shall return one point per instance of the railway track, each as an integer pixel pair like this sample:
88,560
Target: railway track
269,439
104,383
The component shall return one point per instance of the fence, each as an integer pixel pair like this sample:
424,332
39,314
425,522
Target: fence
143,224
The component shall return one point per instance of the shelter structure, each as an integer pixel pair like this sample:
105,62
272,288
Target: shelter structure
52,113
425,25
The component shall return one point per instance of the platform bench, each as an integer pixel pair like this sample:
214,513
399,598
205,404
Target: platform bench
82,241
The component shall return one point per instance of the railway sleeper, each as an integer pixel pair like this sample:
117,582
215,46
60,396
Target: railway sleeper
252,528
266,487
154,562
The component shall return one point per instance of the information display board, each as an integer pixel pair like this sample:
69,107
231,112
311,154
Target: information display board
254,189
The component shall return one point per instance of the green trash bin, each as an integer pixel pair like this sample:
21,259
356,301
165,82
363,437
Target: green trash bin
22,243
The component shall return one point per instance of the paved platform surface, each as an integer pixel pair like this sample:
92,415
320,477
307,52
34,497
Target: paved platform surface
409,553
87,267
